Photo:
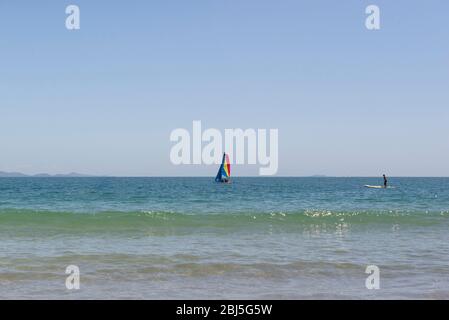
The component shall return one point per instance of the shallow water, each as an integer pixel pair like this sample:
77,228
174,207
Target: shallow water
280,238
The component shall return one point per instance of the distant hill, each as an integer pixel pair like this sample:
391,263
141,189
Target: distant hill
11,174
41,175
71,175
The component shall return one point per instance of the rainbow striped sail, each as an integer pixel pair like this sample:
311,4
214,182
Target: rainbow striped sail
224,173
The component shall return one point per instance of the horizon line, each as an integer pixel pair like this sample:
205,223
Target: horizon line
207,176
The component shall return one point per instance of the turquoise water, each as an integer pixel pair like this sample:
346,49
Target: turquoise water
177,238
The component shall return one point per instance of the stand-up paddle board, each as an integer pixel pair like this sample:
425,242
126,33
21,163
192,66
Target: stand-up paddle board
378,187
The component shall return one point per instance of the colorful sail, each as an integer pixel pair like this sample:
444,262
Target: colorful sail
226,166
224,173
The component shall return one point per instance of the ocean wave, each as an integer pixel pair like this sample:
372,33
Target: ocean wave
140,220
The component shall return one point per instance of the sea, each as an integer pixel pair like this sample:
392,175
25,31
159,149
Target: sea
192,238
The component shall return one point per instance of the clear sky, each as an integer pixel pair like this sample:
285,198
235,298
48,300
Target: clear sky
103,100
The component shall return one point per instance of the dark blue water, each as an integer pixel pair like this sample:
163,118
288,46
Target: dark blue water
202,195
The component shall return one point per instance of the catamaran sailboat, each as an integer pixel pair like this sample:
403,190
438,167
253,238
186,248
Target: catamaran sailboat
224,173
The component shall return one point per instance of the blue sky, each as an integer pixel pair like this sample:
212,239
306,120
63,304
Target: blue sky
103,100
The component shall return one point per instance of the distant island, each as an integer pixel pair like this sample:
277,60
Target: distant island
41,175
